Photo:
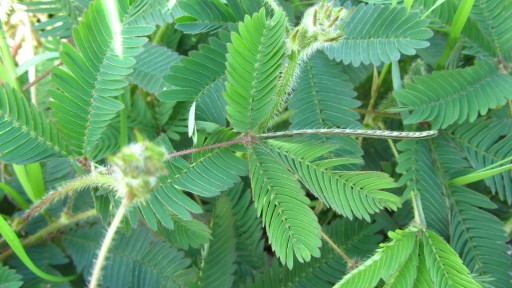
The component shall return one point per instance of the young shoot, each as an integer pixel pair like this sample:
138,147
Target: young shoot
136,169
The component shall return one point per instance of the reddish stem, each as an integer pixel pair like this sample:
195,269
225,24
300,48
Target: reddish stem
245,139
40,77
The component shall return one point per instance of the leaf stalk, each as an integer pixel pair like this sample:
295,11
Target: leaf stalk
107,241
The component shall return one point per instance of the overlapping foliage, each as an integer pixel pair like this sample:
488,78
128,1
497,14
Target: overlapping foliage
237,205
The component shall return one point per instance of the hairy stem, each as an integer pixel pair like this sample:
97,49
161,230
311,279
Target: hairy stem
338,250
352,132
284,87
40,77
93,180
107,242
213,146
51,229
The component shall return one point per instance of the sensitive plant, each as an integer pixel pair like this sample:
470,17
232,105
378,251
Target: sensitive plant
214,143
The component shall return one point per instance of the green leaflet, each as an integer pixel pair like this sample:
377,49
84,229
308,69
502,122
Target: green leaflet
354,237
136,260
401,263
150,65
250,253
406,273
351,194
253,64
418,171
441,17
208,65
485,143
226,168
474,232
323,96
218,264
10,237
186,234
214,170
492,18
455,96
141,116
291,226
198,16
84,106
387,260
165,199
380,33
9,278
156,12
203,16
444,265
65,16
423,279
25,135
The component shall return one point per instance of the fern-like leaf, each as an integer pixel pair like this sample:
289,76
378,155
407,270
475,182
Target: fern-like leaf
323,97
157,12
388,258
176,201
406,273
475,233
493,19
150,65
291,226
167,199
444,265
379,33
419,175
186,234
26,136
9,278
442,17
485,143
45,256
423,279
357,239
109,142
141,116
219,262
454,96
203,16
351,194
226,168
64,15
84,105
250,253
213,171
137,260
208,66
253,64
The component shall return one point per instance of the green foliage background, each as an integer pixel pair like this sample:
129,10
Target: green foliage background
317,208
